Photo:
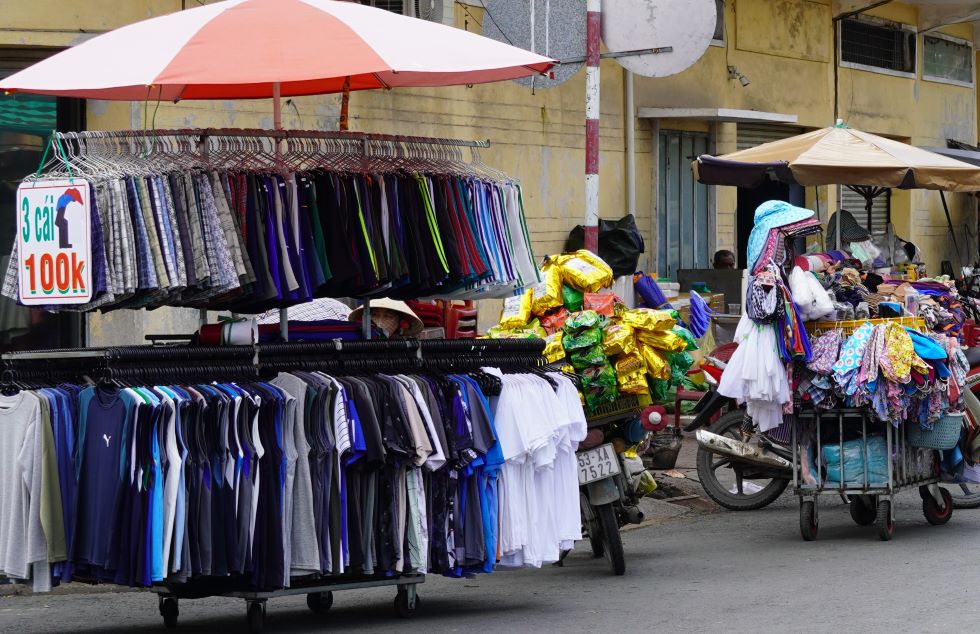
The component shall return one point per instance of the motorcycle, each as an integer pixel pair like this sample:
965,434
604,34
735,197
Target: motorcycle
612,480
742,469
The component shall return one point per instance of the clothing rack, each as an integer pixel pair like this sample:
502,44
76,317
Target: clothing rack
173,361
203,133
355,143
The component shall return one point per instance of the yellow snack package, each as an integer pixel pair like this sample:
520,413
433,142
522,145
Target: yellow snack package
634,383
517,311
619,340
648,319
553,350
657,365
546,295
630,363
584,271
662,340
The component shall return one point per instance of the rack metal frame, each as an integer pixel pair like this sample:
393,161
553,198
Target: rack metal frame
900,476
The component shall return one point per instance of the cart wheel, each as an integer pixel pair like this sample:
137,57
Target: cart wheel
319,602
255,616
862,510
935,515
169,611
884,521
924,492
404,607
808,520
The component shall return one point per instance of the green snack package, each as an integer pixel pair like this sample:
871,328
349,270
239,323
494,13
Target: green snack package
572,298
583,319
595,355
583,339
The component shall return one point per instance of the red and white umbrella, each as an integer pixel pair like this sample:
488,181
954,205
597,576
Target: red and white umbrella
239,49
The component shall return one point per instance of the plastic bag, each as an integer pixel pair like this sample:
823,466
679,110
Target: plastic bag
517,311
585,271
572,298
581,320
687,336
620,243
553,349
855,456
588,338
602,303
585,357
555,320
619,340
546,295
680,363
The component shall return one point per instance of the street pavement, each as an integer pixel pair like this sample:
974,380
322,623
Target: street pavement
697,571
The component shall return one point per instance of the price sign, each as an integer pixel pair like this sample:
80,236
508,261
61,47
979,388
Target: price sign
54,238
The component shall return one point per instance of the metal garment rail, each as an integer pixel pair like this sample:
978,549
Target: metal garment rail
203,133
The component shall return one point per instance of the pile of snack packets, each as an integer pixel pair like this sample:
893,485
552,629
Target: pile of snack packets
614,349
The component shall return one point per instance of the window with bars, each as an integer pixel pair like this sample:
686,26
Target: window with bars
888,46
947,60
395,6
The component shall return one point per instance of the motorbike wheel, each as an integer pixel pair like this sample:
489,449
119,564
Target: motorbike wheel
591,527
710,464
611,540
965,495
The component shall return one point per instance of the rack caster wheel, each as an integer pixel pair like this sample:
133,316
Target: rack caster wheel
319,602
936,515
863,510
407,602
808,520
255,616
169,612
884,521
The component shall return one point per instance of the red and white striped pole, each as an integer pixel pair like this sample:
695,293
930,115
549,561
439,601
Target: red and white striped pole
593,27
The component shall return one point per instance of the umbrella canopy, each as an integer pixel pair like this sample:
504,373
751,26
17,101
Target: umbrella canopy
837,156
238,49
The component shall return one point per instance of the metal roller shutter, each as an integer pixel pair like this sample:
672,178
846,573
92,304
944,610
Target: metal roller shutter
753,134
855,203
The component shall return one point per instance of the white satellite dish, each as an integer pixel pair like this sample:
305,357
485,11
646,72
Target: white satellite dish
686,26
554,28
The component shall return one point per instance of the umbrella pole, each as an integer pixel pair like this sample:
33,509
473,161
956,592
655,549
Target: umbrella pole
949,223
277,126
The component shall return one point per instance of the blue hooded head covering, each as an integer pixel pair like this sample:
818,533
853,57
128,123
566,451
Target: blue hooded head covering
768,216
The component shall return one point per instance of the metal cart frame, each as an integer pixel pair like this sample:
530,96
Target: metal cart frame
319,597
870,503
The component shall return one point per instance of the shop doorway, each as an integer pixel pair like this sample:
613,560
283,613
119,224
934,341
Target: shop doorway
749,200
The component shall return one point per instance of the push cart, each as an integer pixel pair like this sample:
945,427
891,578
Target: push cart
319,597
870,469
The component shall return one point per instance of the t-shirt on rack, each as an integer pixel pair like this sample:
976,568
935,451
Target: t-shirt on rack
250,238
262,483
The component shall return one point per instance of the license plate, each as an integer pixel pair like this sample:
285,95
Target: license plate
596,464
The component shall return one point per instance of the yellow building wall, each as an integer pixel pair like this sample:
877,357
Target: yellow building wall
537,137
785,48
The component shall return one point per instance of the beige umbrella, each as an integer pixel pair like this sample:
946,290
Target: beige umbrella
839,156
866,163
